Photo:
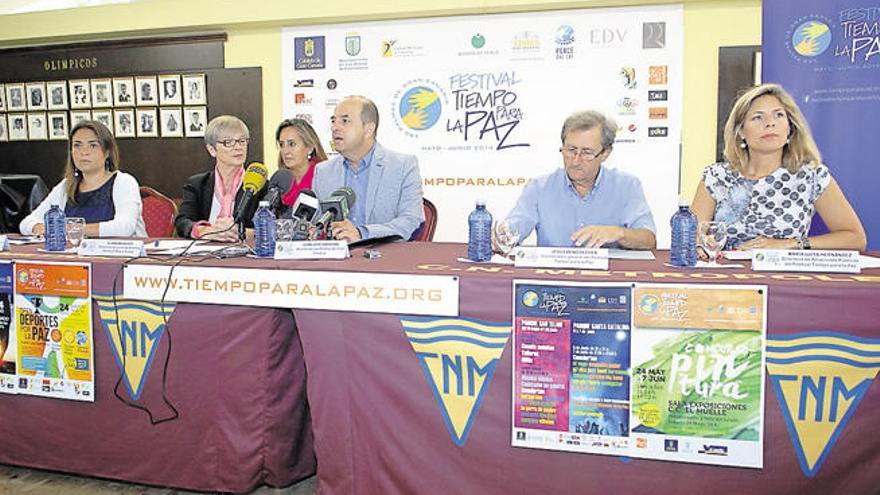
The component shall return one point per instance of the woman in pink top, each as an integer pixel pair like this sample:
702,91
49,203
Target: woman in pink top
299,150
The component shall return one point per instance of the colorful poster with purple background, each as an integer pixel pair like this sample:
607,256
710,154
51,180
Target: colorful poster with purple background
8,351
826,53
571,366
542,379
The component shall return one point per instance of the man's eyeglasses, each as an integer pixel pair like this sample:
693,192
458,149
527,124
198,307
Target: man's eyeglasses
586,153
230,143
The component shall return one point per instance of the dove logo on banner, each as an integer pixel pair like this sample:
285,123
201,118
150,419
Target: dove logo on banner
458,357
419,106
134,341
819,379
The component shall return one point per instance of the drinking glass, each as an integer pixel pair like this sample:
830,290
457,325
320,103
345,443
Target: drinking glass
75,228
713,237
505,237
284,229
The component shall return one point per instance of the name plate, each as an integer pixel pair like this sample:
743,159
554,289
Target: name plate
311,250
120,248
809,260
4,243
556,257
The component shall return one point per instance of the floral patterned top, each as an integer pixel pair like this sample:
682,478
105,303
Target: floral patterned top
780,205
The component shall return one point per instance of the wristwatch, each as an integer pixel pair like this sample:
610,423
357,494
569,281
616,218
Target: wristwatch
804,242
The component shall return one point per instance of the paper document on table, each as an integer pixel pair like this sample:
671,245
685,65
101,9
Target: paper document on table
707,264
21,241
864,261
165,244
198,249
738,255
630,254
497,259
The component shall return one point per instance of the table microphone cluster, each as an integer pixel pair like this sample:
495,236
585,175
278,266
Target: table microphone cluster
309,212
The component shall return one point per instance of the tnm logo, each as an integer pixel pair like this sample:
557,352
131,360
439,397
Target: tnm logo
819,379
458,357
134,336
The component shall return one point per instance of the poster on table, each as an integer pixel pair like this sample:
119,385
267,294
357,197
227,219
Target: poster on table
480,100
660,371
53,315
7,331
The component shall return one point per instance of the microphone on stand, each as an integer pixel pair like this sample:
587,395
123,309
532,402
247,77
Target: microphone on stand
304,212
335,208
278,185
254,180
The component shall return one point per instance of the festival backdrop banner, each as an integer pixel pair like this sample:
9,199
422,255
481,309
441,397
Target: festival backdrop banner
671,372
53,314
8,342
826,53
480,100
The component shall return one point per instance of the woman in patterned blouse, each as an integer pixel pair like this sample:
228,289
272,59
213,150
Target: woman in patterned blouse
774,180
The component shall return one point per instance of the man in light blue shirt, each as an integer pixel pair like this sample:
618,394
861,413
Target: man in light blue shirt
583,203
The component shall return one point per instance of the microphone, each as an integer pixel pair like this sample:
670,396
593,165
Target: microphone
306,206
278,185
304,211
254,180
336,207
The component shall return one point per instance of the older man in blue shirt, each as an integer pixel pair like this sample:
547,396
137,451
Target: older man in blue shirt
583,203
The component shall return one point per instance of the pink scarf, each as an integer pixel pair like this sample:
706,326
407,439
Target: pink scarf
227,200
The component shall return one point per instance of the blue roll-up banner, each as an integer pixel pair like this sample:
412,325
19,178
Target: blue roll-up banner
827,55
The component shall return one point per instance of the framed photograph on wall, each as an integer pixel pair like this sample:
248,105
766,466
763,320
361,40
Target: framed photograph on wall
80,94
146,122
124,123
57,125
2,98
169,90
18,126
123,92
145,91
15,97
105,117
169,119
194,121
194,89
37,126
36,95
56,92
4,131
102,93
78,116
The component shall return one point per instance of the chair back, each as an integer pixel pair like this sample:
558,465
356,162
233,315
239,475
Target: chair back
159,212
425,232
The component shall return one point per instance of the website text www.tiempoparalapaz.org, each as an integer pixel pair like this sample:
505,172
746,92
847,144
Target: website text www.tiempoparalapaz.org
329,290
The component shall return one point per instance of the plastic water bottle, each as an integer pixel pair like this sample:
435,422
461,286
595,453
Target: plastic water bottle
264,224
480,233
56,237
683,251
